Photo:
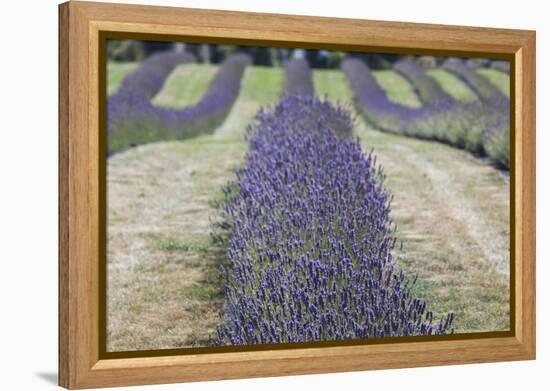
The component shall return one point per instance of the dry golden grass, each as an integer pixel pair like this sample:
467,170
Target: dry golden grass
451,211
162,285
163,288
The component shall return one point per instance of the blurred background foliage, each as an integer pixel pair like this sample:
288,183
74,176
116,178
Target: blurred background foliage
133,51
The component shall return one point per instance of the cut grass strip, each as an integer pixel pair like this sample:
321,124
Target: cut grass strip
452,85
259,86
163,289
399,90
185,85
116,72
500,79
333,84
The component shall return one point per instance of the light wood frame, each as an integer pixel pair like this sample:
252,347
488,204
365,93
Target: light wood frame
80,24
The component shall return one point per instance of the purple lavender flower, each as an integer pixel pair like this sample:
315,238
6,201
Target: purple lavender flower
483,88
429,91
311,238
481,127
132,119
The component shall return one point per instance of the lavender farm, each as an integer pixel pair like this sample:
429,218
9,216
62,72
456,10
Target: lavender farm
260,196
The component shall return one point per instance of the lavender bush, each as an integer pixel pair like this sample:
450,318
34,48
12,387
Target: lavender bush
132,119
373,100
495,104
147,80
478,127
483,88
429,91
298,78
310,255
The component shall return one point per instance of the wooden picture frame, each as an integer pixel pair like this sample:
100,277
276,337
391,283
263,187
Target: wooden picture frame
81,364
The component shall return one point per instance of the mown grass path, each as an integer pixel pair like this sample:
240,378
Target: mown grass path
185,85
397,88
451,211
163,289
261,86
498,78
116,72
452,85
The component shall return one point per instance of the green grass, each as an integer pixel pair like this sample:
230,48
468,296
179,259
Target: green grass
260,86
333,84
116,72
452,85
185,85
397,87
201,292
180,245
499,79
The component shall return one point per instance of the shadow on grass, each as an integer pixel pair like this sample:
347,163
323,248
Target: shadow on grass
204,297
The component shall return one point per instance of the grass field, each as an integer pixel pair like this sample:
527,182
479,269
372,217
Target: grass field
450,208
452,85
185,85
397,87
260,86
334,85
498,78
116,72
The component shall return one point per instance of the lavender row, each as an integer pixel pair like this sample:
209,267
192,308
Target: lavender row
374,103
494,109
147,80
310,255
477,127
133,120
483,88
429,91
298,78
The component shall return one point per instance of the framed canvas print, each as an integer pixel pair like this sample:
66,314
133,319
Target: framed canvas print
247,195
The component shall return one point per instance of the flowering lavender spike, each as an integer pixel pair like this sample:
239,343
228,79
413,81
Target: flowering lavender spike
330,251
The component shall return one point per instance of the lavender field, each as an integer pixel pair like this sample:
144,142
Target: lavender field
296,202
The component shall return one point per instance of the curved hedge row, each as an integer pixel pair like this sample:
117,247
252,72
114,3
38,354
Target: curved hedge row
495,105
477,127
429,91
373,100
484,89
132,119
310,254
147,80
298,78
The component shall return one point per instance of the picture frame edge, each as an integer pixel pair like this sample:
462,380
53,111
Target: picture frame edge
79,362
